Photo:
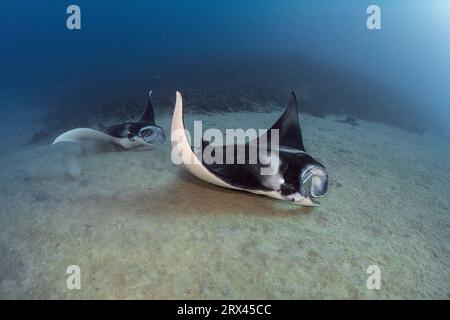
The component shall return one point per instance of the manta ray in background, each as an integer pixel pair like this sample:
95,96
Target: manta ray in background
297,177
128,135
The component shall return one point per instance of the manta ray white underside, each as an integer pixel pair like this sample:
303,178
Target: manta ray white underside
80,134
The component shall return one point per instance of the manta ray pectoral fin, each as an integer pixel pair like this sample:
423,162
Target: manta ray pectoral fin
80,134
149,114
182,148
288,126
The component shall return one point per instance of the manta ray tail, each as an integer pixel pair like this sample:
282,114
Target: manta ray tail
80,134
149,114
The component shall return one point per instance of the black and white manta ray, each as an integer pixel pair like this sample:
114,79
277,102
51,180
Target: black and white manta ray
128,135
297,177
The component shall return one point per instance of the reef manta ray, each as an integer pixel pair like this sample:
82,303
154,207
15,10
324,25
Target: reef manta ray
298,177
128,135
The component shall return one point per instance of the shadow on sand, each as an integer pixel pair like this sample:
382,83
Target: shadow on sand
191,196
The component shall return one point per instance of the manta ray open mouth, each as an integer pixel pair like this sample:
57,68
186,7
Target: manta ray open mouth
314,181
152,134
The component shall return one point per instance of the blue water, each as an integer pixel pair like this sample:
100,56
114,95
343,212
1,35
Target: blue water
122,46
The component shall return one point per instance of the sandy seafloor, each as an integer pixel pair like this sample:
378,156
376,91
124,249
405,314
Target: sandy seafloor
139,227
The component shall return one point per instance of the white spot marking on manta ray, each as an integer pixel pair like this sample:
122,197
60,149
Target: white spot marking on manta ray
270,176
80,134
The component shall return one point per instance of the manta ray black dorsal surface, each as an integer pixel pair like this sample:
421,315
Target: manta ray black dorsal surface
290,133
294,175
149,114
